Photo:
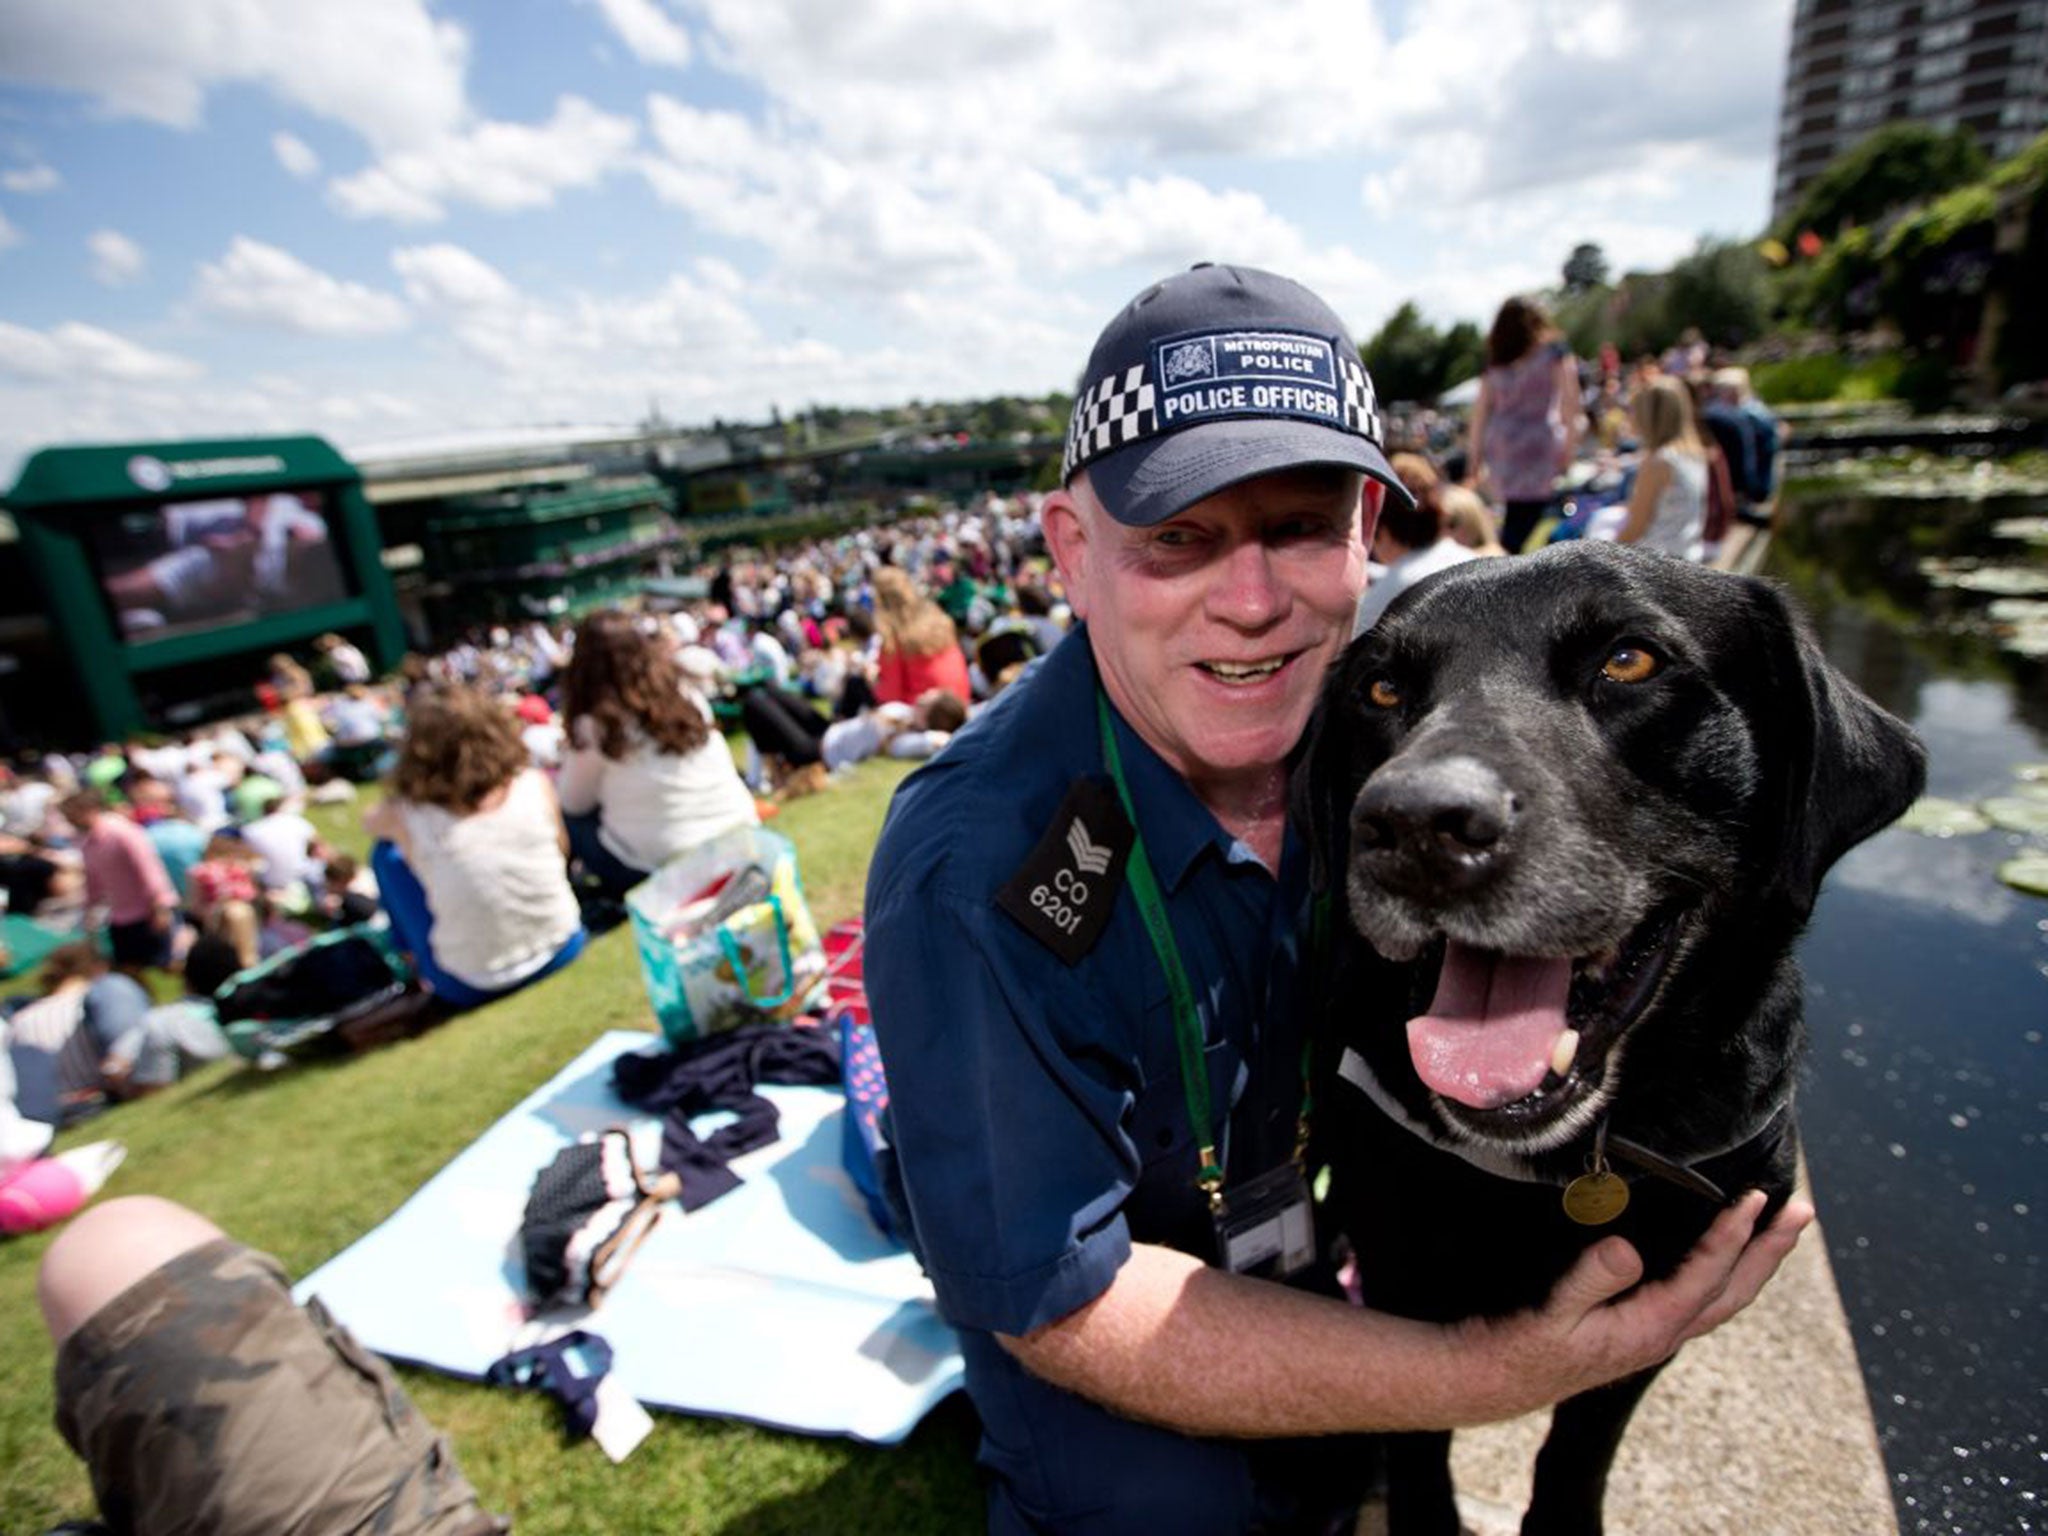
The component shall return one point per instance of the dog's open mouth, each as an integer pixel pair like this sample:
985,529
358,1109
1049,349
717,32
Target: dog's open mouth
1517,1037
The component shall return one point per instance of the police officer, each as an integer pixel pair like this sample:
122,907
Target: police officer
1083,962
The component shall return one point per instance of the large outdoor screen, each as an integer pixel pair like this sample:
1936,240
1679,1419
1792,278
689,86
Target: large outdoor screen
186,566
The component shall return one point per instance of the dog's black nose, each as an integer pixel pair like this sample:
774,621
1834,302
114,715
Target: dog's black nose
1437,823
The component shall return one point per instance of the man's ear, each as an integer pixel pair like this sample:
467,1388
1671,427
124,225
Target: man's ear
1066,535
1370,500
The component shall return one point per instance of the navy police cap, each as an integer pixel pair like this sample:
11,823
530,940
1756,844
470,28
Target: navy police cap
1215,376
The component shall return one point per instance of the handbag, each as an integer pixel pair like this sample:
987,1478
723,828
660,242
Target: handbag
725,937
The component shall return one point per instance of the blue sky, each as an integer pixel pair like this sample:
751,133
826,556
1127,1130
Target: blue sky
390,219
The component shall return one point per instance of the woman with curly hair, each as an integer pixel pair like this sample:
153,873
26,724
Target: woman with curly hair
469,858
645,775
920,646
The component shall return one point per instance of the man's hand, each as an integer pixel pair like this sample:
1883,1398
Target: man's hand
1584,1337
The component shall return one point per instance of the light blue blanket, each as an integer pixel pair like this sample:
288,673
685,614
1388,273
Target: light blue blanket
779,1303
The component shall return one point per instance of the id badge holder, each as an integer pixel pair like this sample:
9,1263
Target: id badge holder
1264,1227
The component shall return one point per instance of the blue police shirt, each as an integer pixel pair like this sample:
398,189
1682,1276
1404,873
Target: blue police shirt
1038,1121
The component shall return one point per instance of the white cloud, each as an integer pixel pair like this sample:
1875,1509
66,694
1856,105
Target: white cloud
385,68
34,414
552,343
500,166
294,154
654,36
1537,138
1063,81
116,260
1555,95
9,235
28,180
900,234
76,352
261,285
449,277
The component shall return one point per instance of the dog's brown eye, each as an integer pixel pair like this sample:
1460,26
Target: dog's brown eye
1384,694
1629,664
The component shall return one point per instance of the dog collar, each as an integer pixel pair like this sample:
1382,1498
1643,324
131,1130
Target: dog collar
1742,1155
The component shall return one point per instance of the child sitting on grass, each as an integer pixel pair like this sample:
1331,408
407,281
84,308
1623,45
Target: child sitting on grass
348,894
221,894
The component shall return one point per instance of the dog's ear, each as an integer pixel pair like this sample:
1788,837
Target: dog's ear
1851,768
1317,786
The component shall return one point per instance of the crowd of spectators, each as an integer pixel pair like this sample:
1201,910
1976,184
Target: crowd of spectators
1673,451
530,773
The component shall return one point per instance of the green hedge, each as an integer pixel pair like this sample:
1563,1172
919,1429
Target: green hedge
1829,376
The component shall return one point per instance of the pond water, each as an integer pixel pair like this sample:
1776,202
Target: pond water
1926,1109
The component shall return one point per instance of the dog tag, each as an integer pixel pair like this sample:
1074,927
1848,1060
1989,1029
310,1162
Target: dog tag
1594,1199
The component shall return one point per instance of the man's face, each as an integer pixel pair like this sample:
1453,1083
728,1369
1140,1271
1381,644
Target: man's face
1213,630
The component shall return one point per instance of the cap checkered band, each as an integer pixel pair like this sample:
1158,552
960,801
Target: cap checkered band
1195,377
1361,406
1115,410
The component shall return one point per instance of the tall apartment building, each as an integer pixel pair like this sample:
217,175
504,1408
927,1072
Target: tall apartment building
1856,65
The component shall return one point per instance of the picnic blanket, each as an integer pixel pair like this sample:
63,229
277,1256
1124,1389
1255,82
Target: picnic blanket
28,943
780,1303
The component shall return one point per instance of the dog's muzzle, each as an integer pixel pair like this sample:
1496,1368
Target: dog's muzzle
1429,827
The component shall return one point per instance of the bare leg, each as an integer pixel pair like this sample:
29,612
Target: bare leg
108,1248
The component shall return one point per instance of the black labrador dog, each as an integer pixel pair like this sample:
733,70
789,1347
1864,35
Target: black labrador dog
1576,807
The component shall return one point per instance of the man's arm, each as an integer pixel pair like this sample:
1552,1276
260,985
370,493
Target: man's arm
1205,1352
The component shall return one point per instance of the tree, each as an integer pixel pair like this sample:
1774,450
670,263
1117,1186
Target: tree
1585,268
1721,289
1409,359
1462,355
1901,163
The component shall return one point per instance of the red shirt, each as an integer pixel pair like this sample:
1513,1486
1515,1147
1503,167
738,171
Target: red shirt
217,880
901,679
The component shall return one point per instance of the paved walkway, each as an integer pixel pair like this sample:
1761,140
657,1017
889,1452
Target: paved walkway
1760,1429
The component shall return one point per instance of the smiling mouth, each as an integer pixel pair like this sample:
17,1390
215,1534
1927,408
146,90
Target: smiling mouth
1244,673
1509,1042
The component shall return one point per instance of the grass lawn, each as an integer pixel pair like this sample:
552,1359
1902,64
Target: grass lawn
303,1162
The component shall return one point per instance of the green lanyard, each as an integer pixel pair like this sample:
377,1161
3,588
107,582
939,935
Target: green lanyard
1187,1027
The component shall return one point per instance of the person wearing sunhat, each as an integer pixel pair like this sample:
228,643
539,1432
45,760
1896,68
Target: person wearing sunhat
1135,1364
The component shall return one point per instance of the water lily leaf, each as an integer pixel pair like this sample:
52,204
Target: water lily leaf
2030,530
2010,580
1933,816
2028,872
2015,814
2031,791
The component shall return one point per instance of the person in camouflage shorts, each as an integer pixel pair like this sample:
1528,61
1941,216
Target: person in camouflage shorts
202,1399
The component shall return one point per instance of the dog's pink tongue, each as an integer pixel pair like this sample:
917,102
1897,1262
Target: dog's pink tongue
1487,1037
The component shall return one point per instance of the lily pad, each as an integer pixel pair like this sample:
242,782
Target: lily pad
2028,872
2016,814
2031,791
2007,580
2029,530
1933,816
